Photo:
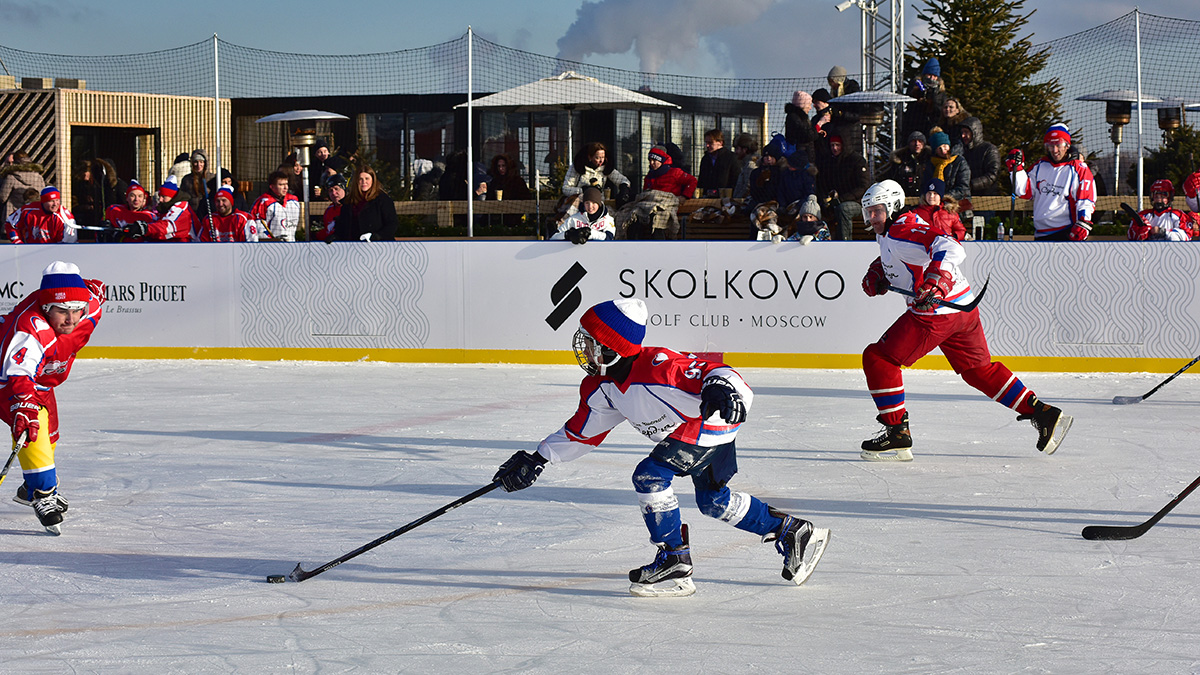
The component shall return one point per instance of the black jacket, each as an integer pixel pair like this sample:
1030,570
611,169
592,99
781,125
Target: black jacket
719,169
847,174
983,158
377,216
799,131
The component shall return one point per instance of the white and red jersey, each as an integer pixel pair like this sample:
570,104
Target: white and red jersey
604,228
278,217
910,246
660,398
1063,194
327,221
1191,192
174,225
236,226
1175,226
120,216
35,226
33,358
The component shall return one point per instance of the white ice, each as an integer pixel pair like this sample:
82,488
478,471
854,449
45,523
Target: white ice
190,482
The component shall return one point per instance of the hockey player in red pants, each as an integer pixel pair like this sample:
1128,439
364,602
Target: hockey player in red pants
921,258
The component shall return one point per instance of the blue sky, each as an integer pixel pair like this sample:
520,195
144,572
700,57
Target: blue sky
719,38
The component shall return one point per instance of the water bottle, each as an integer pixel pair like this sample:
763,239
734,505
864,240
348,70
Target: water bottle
1010,234
1000,232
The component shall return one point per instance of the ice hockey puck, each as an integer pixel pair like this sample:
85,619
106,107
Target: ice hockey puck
276,579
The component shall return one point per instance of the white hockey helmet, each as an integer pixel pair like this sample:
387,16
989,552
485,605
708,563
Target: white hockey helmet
888,192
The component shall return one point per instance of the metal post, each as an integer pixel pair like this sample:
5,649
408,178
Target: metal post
215,161
470,144
1137,25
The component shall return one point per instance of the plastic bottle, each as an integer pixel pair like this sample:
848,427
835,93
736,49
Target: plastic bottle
1010,234
1000,232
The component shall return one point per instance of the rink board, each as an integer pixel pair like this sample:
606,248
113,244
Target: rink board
1096,306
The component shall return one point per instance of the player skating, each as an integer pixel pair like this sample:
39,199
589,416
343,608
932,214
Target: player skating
918,257
38,342
692,409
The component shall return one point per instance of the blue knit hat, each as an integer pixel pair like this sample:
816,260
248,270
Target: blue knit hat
939,138
618,324
779,147
936,185
932,67
62,285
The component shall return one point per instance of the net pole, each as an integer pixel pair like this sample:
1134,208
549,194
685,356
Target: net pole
1137,35
470,142
215,163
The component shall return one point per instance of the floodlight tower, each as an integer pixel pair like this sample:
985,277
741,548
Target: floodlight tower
882,38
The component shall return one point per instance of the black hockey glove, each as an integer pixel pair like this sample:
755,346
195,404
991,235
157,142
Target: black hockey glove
718,394
579,235
137,229
520,471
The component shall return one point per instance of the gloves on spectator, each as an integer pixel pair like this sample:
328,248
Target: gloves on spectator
579,235
97,288
934,288
875,282
1014,160
1080,230
25,418
719,395
520,471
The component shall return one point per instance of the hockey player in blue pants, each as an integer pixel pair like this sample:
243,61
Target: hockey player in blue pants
692,409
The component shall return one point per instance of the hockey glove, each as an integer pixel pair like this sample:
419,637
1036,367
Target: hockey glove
137,229
25,418
933,288
875,282
520,471
719,395
1080,230
1014,160
579,235
97,288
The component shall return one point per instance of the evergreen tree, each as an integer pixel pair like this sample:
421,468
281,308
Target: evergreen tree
990,69
1175,160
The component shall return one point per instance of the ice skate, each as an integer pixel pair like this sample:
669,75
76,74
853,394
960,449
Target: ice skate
49,511
800,544
893,444
670,575
22,497
1051,424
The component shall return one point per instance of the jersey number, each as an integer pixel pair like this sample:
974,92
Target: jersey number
695,369
19,357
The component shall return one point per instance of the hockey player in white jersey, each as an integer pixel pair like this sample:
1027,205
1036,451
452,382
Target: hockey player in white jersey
1161,222
1063,190
692,410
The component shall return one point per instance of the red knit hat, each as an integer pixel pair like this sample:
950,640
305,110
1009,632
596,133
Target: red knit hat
1057,132
617,324
50,192
660,153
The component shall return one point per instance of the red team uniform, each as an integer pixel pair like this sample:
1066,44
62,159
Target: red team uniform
1171,224
1063,193
36,226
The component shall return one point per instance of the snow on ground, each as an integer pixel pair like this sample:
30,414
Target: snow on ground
191,481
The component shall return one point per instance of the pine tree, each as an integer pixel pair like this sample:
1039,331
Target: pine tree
1175,161
990,69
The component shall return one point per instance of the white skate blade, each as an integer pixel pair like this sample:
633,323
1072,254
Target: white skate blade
53,529
1059,433
898,455
671,588
812,554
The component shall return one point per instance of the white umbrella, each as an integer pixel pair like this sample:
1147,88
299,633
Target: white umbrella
298,116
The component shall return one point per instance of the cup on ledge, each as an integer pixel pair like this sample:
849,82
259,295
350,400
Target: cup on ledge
499,194
697,195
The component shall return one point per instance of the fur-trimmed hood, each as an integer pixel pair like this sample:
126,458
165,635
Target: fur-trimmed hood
30,167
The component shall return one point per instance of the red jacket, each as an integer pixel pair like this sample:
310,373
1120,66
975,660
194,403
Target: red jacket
673,180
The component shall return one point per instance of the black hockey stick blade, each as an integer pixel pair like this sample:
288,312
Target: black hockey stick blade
300,574
1126,400
1119,532
943,303
1129,210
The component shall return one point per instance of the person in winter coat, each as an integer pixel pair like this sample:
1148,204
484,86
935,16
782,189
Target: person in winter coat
795,183
764,181
939,210
842,179
951,121
845,117
719,167
923,114
592,169
15,179
908,163
981,156
948,167
667,178
797,127
196,185
591,221
745,148
507,183
368,213
95,188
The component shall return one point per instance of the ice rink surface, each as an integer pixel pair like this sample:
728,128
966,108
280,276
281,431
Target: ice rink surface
191,481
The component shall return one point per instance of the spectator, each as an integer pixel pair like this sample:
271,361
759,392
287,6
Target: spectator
228,224
335,190
982,157
195,184
507,183
324,165
795,183
809,226
277,211
666,177
719,166
181,167
591,169
908,163
453,184
135,209
1065,196
368,214
933,210
239,200
841,182
592,221
845,117
95,188
49,222
764,181
745,148
929,90
426,176
1161,222
15,179
953,116
32,196
822,123
294,171
797,127
947,167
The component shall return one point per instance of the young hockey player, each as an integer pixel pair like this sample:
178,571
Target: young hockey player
1161,222
38,343
919,257
692,409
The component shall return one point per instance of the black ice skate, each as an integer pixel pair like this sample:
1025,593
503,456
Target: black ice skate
49,510
894,444
22,497
670,575
1051,424
800,544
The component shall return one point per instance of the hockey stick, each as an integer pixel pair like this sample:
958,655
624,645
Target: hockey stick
300,574
1112,532
1126,400
20,444
943,303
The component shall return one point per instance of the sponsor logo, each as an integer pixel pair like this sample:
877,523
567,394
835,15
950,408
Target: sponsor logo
566,296
11,290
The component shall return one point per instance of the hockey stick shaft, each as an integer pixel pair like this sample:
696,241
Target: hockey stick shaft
943,303
1125,400
1110,532
300,574
16,448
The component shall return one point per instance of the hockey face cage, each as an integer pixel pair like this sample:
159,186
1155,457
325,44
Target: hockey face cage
592,356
